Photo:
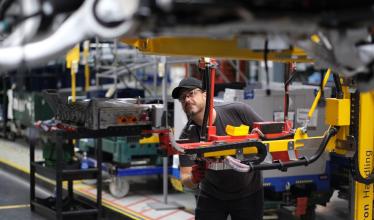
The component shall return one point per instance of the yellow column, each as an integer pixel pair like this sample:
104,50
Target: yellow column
363,194
72,63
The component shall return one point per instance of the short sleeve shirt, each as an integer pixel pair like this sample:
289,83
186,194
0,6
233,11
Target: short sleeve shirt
226,184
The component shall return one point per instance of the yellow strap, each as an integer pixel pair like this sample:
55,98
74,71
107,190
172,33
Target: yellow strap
86,53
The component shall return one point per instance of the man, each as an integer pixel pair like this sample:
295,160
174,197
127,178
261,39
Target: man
224,192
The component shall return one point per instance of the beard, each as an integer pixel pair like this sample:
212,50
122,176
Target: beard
190,114
192,110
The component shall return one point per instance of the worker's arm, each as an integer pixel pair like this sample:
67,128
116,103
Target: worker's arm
192,176
186,177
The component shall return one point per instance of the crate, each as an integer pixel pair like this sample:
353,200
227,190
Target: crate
123,149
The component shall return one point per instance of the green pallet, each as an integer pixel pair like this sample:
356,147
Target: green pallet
123,149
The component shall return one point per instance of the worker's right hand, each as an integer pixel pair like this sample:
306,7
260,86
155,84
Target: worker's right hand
198,172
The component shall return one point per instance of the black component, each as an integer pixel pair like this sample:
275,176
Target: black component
355,108
4,6
4,86
354,129
260,156
281,137
269,127
338,86
286,94
322,101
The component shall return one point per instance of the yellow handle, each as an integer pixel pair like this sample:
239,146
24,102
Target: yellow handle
315,102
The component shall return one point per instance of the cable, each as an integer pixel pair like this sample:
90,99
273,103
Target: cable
338,86
354,130
286,94
355,168
302,161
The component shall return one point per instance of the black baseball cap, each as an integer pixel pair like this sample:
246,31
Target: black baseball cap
187,83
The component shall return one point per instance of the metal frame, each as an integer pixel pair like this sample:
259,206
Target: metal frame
60,174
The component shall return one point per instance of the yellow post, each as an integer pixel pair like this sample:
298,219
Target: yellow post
72,62
73,84
363,194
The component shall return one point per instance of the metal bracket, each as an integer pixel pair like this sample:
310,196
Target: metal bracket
268,158
239,154
218,166
291,151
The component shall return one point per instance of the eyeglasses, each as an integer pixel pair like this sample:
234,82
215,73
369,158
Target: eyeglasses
189,94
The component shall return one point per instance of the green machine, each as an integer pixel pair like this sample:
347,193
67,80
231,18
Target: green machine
28,108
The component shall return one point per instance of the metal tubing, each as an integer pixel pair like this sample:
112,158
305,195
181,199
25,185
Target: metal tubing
99,176
165,178
32,174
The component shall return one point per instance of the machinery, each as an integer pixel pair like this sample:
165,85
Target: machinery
104,113
124,156
332,34
341,31
275,145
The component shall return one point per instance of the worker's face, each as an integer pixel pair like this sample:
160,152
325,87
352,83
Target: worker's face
193,101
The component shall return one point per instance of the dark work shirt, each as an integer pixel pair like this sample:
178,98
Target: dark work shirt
226,184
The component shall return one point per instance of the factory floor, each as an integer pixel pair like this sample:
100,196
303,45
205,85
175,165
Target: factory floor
14,193
14,198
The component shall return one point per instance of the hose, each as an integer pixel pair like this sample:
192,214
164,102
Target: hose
338,86
302,161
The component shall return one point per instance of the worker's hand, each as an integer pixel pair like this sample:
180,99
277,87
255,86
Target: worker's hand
236,164
198,172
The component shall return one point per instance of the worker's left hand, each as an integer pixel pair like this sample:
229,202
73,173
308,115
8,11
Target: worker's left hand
236,164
